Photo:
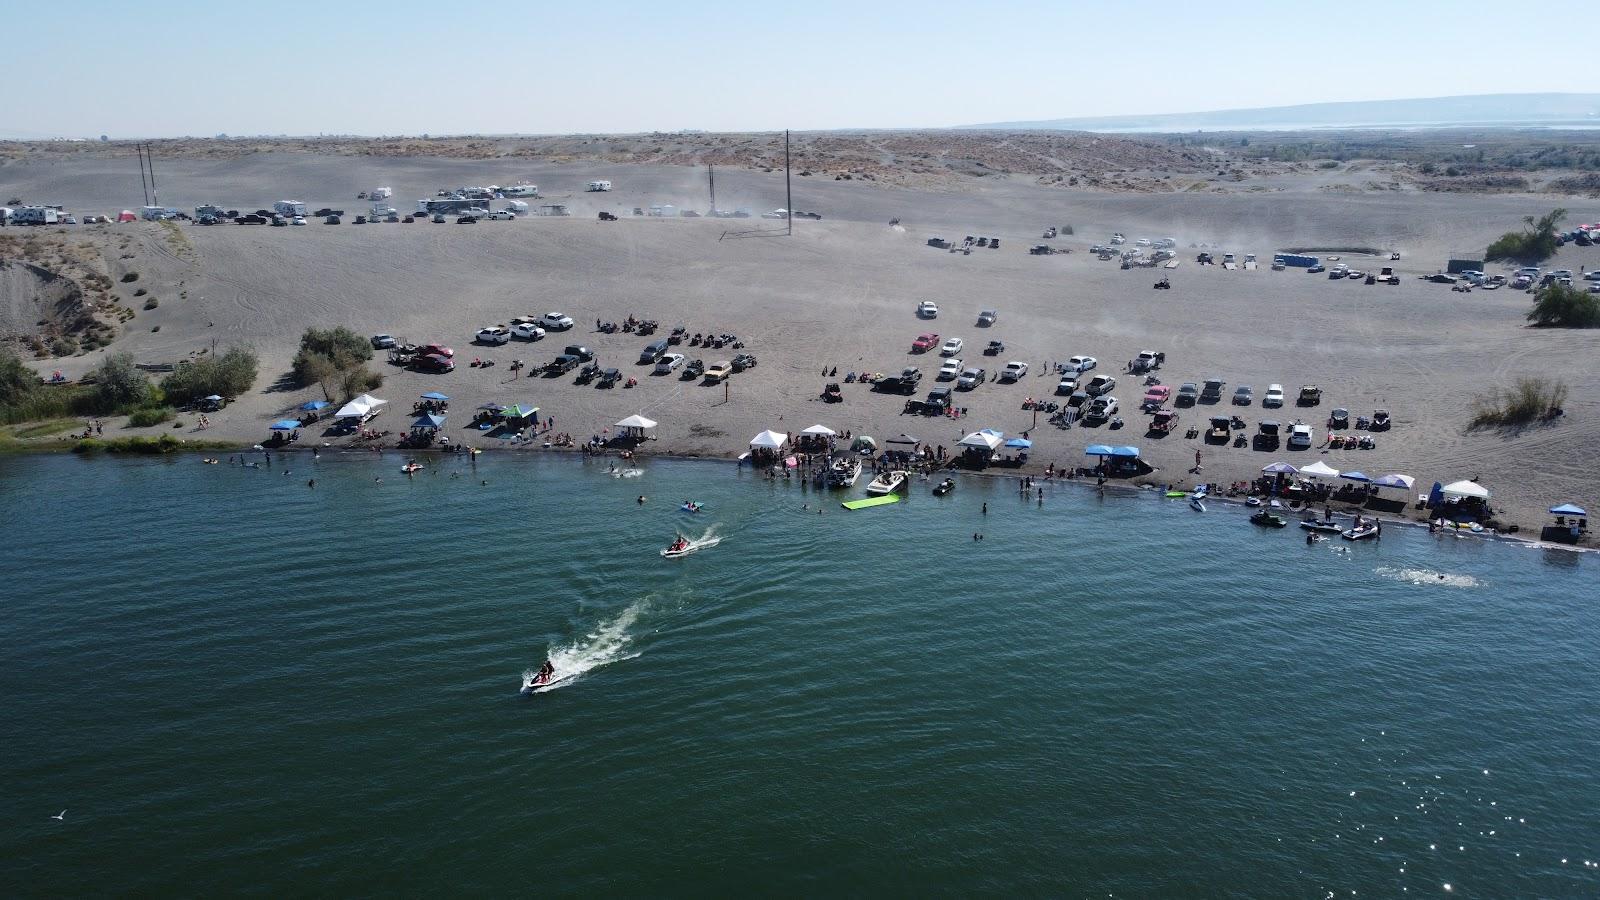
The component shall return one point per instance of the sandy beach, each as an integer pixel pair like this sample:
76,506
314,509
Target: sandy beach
841,292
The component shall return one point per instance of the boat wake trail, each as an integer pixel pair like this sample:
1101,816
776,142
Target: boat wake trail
1427,576
709,538
626,473
611,641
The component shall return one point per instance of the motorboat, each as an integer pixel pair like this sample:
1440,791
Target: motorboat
944,487
887,483
1268,520
844,471
1324,525
1197,503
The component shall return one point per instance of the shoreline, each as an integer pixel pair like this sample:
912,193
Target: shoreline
1131,487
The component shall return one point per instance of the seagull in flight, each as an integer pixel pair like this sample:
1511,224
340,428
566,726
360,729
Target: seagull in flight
61,816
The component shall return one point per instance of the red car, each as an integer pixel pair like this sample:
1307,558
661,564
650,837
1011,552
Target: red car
924,343
1155,396
437,350
436,362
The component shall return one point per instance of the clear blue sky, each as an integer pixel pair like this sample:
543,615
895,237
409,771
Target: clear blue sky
163,67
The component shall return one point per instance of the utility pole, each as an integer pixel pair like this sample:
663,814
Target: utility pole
711,179
155,196
139,149
788,187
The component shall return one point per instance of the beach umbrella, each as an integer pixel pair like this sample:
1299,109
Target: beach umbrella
1567,509
904,439
636,421
1279,468
1319,468
435,395
769,440
1126,452
1403,482
314,405
1356,476
820,431
1019,443
1467,489
286,425
1097,450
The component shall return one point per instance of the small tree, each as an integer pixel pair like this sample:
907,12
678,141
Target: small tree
1559,306
228,374
119,384
17,381
326,353
1535,243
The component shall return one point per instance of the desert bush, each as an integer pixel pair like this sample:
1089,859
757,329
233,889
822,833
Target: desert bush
152,303
1535,243
119,384
130,277
150,415
1559,306
1530,400
228,374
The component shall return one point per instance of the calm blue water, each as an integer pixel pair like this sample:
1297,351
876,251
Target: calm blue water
233,682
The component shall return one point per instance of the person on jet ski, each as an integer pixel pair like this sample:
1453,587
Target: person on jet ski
546,672
679,543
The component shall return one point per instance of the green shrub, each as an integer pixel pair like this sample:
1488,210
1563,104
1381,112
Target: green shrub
227,374
152,303
1531,400
119,383
1535,243
150,415
1559,306
130,278
332,358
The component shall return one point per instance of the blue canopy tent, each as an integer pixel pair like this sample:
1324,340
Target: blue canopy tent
435,395
1279,468
1019,443
1097,450
314,405
1395,480
1568,509
286,425
428,421
1356,476
1125,452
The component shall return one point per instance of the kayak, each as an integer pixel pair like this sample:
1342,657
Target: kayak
871,501
1176,494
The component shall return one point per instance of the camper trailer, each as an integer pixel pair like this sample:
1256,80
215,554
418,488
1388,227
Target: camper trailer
667,210
35,215
458,206
289,208
599,185
381,193
522,190
517,206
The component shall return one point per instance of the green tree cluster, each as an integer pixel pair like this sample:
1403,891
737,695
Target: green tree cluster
1559,306
227,374
1535,243
336,360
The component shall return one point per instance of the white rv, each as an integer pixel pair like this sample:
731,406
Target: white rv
289,208
599,185
522,190
35,215
517,206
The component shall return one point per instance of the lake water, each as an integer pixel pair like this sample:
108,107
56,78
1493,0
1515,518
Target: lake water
233,682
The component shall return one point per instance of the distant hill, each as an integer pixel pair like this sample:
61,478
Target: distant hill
1500,110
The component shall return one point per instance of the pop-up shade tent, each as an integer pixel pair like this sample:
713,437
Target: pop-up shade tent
769,440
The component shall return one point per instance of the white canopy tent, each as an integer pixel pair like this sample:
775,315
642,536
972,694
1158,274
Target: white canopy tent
820,431
769,440
1465,489
636,421
1319,468
987,439
359,408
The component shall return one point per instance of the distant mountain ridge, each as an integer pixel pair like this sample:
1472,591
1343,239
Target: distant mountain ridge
1503,110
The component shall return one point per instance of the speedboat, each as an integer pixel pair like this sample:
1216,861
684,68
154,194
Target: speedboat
1197,503
944,487
1327,525
1268,520
887,483
1252,501
1366,530
844,471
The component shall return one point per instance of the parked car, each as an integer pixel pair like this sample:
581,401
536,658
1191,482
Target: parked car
718,372
298,220
1100,385
502,215
1164,421
939,400
653,351
924,342
927,309
608,378
1211,391
743,361
1067,385
1188,394
971,377
1155,396
556,321
1082,363
494,334
438,219
693,369
528,331
995,348
383,342
466,220
951,347
950,369
580,351
1100,409
987,317
1266,435
1274,396
1243,395
669,363
1014,370
1300,436
331,220
1310,395
1339,419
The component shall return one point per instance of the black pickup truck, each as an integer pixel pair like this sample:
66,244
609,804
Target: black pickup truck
562,364
904,383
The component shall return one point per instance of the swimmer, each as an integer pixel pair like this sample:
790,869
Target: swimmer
641,499
311,483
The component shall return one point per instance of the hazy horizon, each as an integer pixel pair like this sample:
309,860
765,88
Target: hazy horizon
410,68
